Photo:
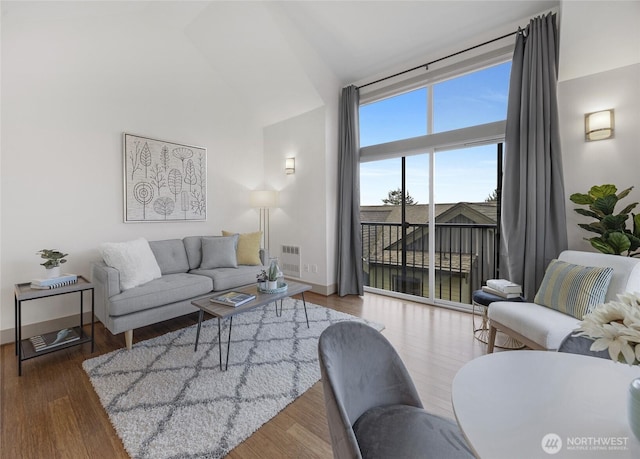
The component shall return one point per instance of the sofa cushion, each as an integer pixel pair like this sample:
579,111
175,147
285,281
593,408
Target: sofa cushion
133,259
544,326
226,278
170,255
219,252
573,289
403,431
168,289
248,252
193,247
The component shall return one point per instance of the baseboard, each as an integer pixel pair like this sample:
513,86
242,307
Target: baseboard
8,335
325,290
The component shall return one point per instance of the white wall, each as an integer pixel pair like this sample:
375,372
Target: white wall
596,36
70,87
599,69
301,215
616,160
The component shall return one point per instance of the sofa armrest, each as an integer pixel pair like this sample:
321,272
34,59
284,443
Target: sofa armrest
107,276
106,282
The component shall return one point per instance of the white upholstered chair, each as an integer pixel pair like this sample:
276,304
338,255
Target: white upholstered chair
540,327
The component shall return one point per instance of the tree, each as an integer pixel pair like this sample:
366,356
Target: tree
190,174
145,158
395,198
164,206
493,197
175,182
164,158
157,177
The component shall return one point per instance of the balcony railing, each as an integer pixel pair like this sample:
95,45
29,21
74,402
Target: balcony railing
465,257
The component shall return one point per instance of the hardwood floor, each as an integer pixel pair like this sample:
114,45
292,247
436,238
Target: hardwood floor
52,410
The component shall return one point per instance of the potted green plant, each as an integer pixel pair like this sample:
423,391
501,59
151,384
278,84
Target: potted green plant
613,236
54,259
272,276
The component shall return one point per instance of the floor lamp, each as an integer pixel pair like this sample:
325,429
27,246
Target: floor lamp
264,200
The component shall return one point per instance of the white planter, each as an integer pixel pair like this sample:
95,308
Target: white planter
272,285
53,272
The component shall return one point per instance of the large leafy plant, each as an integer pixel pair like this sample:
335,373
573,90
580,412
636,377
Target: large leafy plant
613,235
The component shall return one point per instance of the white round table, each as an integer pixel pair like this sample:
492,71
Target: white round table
508,402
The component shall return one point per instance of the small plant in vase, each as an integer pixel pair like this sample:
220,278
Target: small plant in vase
262,279
54,259
274,273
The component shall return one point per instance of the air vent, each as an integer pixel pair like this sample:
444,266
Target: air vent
290,261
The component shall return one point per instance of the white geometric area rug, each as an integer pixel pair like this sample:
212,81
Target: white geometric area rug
167,401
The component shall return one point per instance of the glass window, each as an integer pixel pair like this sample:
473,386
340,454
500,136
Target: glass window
477,98
466,175
395,118
377,178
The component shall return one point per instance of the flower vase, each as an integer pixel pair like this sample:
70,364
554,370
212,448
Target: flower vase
633,407
274,274
53,272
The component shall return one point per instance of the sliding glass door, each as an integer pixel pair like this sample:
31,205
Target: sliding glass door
401,252
430,165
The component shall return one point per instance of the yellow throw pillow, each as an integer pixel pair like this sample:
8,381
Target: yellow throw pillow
248,251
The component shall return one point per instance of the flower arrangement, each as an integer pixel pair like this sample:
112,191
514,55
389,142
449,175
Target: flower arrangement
262,277
615,326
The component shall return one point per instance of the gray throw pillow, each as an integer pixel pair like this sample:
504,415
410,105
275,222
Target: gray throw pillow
219,252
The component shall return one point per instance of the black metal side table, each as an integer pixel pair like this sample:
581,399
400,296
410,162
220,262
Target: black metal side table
23,292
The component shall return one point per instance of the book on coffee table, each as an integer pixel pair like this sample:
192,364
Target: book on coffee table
234,299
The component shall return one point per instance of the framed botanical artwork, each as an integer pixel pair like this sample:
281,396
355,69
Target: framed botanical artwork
163,181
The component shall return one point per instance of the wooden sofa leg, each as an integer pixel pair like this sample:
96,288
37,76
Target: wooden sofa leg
128,338
492,339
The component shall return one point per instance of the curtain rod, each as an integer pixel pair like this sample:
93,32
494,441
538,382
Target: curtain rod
441,59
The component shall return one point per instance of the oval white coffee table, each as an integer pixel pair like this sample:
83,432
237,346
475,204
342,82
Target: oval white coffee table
508,402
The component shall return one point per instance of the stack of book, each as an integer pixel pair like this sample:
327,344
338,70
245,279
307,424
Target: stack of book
503,288
234,299
54,282
53,339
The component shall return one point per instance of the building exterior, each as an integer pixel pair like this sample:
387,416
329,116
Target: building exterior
396,256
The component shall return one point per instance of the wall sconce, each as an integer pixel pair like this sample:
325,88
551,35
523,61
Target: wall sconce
290,166
598,125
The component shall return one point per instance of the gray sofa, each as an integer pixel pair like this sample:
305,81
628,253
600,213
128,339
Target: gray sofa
169,296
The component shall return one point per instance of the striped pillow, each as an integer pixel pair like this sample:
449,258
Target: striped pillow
573,289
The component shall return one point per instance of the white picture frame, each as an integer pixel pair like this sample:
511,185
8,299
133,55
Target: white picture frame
163,181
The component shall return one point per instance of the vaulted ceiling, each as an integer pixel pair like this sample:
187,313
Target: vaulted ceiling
276,54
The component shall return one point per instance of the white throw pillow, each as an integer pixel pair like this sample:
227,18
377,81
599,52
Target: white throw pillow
133,259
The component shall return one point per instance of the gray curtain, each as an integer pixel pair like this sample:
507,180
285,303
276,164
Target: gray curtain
349,236
533,198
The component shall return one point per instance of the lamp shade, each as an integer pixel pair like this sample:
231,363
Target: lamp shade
264,199
598,125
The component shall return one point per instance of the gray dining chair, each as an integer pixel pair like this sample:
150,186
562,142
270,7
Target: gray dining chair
373,408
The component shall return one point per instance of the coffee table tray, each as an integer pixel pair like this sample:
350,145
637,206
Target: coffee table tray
281,289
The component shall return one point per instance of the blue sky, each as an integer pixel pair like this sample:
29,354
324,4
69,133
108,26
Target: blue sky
460,175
